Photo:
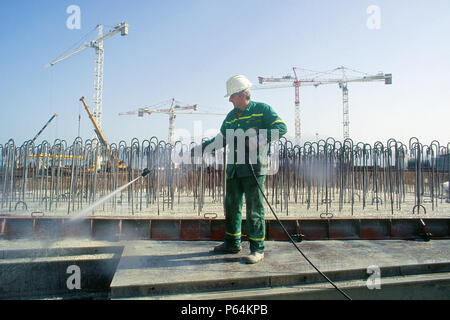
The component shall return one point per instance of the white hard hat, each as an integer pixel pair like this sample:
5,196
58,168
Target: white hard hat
236,84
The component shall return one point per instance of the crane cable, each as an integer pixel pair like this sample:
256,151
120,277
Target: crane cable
292,240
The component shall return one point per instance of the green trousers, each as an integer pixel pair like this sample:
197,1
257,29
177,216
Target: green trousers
235,190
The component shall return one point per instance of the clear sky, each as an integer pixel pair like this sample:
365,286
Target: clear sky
187,49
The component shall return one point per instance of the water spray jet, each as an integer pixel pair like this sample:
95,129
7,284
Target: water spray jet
83,212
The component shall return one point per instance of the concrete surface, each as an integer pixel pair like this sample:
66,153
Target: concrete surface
40,269
150,269
161,269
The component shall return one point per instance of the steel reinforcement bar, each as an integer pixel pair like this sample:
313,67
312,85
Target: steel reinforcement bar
325,179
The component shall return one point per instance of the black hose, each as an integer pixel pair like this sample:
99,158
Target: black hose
292,240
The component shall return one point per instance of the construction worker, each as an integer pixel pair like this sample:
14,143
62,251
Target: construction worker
260,125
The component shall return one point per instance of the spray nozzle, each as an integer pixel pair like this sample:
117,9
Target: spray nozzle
145,172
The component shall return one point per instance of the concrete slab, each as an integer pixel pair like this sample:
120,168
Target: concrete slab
156,268
39,269
190,270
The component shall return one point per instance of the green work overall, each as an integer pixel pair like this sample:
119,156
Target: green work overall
235,190
240,180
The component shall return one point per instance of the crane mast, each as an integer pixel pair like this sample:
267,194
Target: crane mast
97,44
171,122
296,83
98,82
297,108
345,112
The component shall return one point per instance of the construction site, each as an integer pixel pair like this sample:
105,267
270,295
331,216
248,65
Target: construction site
356,210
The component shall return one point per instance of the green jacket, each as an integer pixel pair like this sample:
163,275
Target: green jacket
256,116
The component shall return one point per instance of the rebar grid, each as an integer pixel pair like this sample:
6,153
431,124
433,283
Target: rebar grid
327,178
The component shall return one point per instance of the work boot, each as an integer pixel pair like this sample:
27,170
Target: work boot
223,248
254,257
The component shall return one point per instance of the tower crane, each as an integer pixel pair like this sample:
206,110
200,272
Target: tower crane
341,81
97,44
295,82
172,111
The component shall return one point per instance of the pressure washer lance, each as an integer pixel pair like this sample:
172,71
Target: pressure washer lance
292,240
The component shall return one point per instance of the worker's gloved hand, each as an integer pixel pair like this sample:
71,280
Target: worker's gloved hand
256,141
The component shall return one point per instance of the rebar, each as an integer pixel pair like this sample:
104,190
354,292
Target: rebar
326,178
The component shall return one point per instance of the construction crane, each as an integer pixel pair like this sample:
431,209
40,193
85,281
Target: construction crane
100,135
172,112
295,82
97,44
43,128
341,81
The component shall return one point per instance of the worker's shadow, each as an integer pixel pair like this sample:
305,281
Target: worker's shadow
178,260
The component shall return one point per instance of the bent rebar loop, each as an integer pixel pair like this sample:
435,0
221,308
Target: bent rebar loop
340,172
27,163
331,143
171,174
287,173
80,161
359,169
296,156
447,166
185,169
146,162
122,154
43,150
432,153
70,165
11,168
161,173
178,168
367,154
416,149
8,166
135,165
329,159
377,162
435,177
152,166
420,177
403,151
2,170
309,161
318,170
54,162
393,162
96,148
349,149
442,167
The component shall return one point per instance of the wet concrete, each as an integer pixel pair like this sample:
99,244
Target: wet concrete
150,269
69,269
163,268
